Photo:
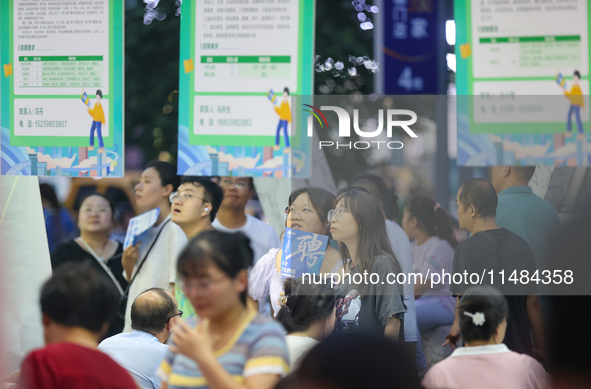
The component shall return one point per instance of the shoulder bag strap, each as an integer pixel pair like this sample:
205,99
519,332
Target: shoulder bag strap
103,265
145,257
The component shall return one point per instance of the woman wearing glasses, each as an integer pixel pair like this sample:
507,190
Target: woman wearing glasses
152,262
306,211
229,346
95,221
369,298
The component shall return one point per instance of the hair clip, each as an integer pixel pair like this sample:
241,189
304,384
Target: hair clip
436,207
477,318
283,302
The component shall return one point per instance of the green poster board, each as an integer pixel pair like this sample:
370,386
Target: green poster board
56,58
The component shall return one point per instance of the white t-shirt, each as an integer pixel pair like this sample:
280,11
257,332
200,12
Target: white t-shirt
298,347
159,270
435,256
262,236
401,247
265,281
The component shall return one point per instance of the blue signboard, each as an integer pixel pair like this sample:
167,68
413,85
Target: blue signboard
410,47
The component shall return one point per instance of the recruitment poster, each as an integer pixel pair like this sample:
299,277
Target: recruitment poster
62,88
523,82
244,64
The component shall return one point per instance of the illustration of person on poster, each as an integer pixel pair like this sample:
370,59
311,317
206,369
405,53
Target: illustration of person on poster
575,95
284,113
98,119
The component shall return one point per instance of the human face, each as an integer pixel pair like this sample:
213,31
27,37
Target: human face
149,192
192,209
236,191
409,224
95,215
303,216
212,292
98,97
345,229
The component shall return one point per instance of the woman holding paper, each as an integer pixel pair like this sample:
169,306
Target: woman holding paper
160,247
307,211
370,296
95,221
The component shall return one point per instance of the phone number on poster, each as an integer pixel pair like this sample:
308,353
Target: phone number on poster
51,123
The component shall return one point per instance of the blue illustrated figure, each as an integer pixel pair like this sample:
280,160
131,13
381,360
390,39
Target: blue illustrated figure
98,119
284,113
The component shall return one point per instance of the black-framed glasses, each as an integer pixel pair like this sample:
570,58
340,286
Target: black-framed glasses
179,314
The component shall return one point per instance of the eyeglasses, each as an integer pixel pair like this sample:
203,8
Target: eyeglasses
183,196
238,184
336,213
298,214
180,314
200,283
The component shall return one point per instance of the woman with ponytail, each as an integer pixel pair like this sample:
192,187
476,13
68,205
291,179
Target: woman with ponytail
485,362
429,227
308,315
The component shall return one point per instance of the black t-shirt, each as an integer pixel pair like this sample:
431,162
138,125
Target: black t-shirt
72,252
508,252
369,307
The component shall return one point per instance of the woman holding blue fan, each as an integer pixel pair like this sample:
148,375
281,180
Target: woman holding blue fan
307,211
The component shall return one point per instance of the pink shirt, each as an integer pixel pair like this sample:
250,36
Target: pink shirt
486,367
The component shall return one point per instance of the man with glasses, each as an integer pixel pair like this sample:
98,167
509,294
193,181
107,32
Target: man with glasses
140,352
195,204
194,207
232,218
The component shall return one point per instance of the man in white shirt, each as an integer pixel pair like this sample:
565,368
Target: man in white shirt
194,207
232,218
140,352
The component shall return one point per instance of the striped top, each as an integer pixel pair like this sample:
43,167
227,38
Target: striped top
257,347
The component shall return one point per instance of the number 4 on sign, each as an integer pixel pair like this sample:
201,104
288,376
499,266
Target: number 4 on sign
407,81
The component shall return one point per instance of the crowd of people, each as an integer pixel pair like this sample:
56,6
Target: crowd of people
201,301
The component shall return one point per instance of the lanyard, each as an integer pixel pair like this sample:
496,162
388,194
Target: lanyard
102,263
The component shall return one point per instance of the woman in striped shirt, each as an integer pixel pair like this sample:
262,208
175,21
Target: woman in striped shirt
229,346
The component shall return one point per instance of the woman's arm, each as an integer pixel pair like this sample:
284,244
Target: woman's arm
392,329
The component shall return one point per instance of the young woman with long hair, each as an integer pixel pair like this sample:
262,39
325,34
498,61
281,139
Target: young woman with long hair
357,223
